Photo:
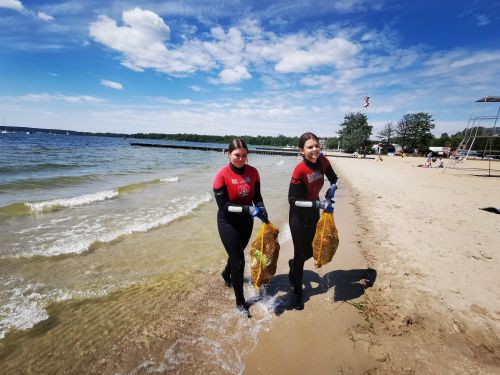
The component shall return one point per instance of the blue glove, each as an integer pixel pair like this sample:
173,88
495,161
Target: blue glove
253,210
262,215
325,204
330,193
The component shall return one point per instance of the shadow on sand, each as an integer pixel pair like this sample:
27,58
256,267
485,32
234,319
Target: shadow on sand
346,284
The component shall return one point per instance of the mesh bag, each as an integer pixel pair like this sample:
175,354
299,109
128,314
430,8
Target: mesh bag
326,240
264,252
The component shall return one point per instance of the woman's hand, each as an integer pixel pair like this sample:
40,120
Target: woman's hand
262,215
253,210
325,204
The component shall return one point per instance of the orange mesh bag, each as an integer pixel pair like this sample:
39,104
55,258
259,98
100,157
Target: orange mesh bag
264,252
326,240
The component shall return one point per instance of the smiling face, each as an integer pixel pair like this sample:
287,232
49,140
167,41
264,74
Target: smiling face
311,150
238,157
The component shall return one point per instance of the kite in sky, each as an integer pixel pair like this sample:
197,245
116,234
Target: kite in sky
367,102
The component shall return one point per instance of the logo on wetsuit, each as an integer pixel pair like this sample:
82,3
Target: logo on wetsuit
243,188
316,175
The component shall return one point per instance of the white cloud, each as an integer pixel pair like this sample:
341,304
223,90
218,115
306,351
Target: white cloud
234,75
337,52
142,42
316,80
451,65
12,4
44,16
47,97
131,66
228,48
349,5
479,57
195,88
164,100
232,88
111,84
482,20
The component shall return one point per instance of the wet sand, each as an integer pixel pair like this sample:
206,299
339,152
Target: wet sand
434,306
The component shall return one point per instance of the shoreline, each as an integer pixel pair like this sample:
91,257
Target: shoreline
428,311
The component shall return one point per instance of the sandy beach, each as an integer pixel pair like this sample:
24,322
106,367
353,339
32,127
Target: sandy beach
420,237
411,290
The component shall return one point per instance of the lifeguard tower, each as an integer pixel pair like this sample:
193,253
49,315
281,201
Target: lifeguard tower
481,138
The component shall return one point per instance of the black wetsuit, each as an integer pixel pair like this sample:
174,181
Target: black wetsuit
236,187
307,180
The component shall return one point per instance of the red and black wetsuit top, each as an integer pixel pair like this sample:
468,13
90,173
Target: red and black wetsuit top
308,178
237,187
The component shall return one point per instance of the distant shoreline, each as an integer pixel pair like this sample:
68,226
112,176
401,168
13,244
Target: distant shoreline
277,141
23,129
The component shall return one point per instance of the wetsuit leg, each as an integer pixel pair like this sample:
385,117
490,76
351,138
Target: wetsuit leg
226,274
235,234
303,228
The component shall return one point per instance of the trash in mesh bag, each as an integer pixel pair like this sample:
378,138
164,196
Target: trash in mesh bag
326,240
264,253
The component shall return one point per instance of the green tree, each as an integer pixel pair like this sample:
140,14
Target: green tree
443,141
331,143
388,132
355,132
414,130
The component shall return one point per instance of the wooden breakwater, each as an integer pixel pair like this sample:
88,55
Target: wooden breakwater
258,150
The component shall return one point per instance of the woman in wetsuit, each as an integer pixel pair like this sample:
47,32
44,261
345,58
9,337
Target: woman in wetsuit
236,186
305,185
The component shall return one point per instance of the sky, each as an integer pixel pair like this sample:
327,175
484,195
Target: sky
244,67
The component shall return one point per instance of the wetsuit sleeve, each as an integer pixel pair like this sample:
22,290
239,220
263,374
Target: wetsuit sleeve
257,196
331,175
221,197
297,190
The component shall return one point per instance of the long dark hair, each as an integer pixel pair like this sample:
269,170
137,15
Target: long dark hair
305,137
237,143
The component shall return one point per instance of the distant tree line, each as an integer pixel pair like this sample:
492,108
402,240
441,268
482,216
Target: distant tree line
479,143
279,140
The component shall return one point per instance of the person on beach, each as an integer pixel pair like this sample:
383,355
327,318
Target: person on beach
305,185
237,192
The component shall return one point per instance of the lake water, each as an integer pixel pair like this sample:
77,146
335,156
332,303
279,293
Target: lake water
110,258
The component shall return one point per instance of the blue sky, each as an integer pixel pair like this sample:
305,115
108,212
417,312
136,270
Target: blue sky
244,67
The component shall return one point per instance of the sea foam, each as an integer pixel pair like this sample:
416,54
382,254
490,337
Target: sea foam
55,204
27,302
74,240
